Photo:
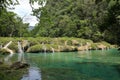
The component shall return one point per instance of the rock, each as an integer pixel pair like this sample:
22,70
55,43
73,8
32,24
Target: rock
24,65
82,48
1,62
19,65
101,47
75,42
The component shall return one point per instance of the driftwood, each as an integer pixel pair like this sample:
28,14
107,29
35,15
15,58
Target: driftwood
8,50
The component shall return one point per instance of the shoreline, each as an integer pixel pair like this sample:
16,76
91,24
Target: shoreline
47,44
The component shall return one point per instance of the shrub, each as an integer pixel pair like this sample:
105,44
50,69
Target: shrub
35,48
94,46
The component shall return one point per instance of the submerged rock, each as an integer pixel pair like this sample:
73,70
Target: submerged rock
19,65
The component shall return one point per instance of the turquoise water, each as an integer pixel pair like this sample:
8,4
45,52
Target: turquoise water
84,65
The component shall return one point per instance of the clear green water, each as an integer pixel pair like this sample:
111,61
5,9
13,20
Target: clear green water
84,65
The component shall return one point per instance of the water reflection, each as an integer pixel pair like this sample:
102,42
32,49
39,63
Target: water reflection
85,54
33,74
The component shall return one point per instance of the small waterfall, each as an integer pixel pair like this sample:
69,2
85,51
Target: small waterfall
21,52
52,50
96,48
44,47
86,48
102,49
45,50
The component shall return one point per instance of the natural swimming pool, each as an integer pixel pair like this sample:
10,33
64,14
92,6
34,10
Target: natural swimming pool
83,65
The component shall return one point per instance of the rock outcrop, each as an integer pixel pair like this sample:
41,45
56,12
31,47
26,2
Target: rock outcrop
84,47
54,45
19,65
101,47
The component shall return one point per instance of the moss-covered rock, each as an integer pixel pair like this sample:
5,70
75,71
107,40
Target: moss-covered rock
106,44
101,45
51,48
94,46
42,48
56,44
35,48
13,47
67,48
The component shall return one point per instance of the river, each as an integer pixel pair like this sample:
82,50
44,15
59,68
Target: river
83,65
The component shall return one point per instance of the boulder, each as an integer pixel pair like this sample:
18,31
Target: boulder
75,42
19,65
101,47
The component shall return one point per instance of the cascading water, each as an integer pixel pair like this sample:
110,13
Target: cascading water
21,52
44,47
52,50
45,50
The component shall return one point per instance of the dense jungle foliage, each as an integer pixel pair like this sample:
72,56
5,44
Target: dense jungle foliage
90,19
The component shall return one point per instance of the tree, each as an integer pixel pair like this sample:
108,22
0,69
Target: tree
111,22
11,25
91,19
6,3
